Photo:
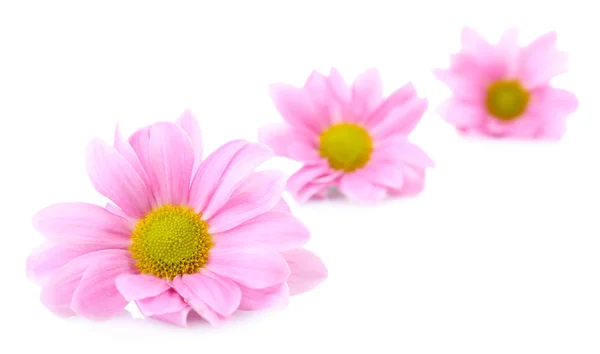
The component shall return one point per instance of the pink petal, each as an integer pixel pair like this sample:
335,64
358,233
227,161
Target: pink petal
553,106
400,120
97,296
140,142
209,173
220,294
338,86
140,286
168,301
509,45
43,262
311,179
289,142
261,299
171,163
57,292
282,206
473,42
188,122
296,107
366,92
400,149
406,96
541,61
83,224
307,270
113,177
462,114
414,182
258,193
384,174
317,87
255,269
358,187
117,211
178,318
274,230
236,174
197,304
125,149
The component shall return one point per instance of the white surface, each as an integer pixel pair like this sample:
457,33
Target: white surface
500,254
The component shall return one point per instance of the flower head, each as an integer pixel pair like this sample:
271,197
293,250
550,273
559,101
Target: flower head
503,90
348,137
183,235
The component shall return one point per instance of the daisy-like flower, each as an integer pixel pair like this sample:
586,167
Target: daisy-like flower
348,138
503,90
183,235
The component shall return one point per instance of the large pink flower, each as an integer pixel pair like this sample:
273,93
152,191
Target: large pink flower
504,90
349,137
184,234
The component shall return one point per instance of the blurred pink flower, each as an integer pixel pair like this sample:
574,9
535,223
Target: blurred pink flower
184,234
349,137
503,90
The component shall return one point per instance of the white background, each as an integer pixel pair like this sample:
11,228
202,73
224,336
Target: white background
500,254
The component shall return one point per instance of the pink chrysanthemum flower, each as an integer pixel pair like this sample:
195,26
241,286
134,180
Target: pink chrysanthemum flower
348,137
184,234
504,90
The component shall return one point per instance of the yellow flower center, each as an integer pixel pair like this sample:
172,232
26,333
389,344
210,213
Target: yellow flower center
346,146
171,240
506,99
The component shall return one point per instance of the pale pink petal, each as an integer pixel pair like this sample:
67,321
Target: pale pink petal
400,120
490,60
358,187
311,179
282,206
473,42
112,176
57,292
398,98
414,182
125,149
199,306
117,211
274,230
209,173
261,299
296,107
314,191
541,61
97,296
366,92
47,259
317,87
400,149
168,301
385,173
140,142
171,163
462,114
188,122
552,103
338,87
140,286
220,294
255,269
84,225
289,142
306,270
178,318
236,175
509,45
258,193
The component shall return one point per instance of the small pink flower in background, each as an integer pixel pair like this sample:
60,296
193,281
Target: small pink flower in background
184,234
349,137
503,90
